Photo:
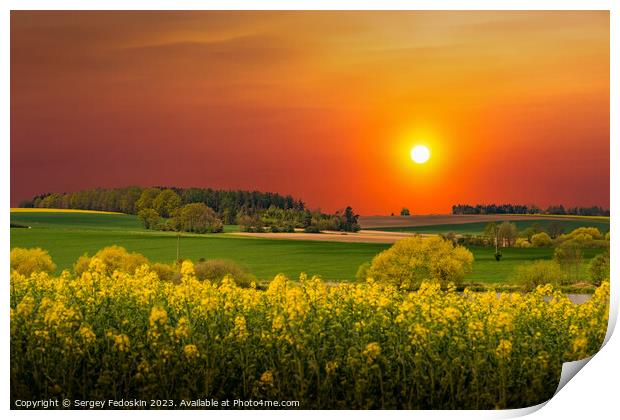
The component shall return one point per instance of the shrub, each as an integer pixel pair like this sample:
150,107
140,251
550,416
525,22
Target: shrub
410,261
362,271
474,240
523,243
599,268
166,272
114,258
81,264
216,270
312,229
450,236
30,260
568,254
542,239
538,273
249,223
593,232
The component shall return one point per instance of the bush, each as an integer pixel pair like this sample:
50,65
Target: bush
410,261
568,254
599,268
523,243
593,232
216,270
81,264
362,271
538,273
114,258
542,239
312,229
31,260
474,240
249,223
166,272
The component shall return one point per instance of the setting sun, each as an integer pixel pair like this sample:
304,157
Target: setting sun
420,154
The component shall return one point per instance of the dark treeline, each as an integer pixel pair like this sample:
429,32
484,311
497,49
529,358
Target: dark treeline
226,203
527,209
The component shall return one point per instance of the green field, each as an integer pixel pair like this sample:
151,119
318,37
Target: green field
477,228
68,235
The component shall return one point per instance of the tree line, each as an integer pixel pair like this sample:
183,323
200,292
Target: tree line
203,210
528,209
226,203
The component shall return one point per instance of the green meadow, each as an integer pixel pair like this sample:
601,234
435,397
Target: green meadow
476,228
69,235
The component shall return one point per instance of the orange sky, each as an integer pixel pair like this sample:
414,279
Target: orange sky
322,105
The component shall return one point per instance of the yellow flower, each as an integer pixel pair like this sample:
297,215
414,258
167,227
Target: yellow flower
580,345
190,351
182,329
240,330
504,348
158,316
451,313
121,342
330,367
87,334
372,351
25,307
278,323
187,269
267,378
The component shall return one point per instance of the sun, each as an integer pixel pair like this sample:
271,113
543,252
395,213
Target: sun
420,154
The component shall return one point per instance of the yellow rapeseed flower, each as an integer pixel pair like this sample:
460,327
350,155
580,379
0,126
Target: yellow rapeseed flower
504,349
267,378
372,351
159,316
190,351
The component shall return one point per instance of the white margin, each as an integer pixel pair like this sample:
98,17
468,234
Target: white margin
591,394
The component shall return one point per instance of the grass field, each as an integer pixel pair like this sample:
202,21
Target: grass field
67,235
478,227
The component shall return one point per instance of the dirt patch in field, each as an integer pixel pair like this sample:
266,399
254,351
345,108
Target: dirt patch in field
367,222
363,236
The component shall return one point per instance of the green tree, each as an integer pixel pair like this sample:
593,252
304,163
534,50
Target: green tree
349,221
146,199
412,260
490,232
198,218
404,211
149,219
554,229
166,202
507,233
